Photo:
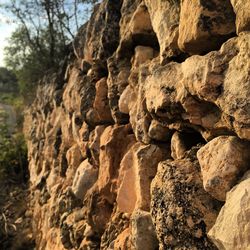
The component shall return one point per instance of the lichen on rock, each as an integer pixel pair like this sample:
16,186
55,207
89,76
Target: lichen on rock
114,136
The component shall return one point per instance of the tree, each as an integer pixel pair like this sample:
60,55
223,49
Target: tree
45,28
8,81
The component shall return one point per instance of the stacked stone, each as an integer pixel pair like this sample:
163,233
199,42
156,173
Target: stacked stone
142,140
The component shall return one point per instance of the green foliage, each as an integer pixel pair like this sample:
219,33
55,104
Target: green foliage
40,42
30,64
10,95
13,153
8,80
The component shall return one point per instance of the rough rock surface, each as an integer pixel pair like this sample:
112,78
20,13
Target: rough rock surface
143,232
181,210
205,25
113,137
165,17
85,177
232,227
223,160
242,10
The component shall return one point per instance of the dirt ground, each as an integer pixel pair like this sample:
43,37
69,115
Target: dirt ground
15,217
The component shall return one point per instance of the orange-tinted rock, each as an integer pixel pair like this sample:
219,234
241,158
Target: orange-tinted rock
94,144
242,10
158,132
85,176
188,211
178,147
74,158
232,227
101,104
165,21
123,240
222,161
205,25
137,169
114,143
143,235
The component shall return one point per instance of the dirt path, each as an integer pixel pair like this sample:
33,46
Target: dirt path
15,219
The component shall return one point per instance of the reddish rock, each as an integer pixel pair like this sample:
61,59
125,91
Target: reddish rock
137,169
114,143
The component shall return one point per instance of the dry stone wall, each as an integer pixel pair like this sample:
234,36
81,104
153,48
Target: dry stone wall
142,139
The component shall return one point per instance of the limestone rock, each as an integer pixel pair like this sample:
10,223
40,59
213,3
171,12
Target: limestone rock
81,133
74,229
94,144
204,25
181,210
140,21
97,210
142,55
222,161
85,176
126,100
201,92
101,104
123,240
137,169
117,233
143,231
178,147
114,143
96,39
165,21
135,27
117,81
232,228
242,10
137,36
158,132
74,158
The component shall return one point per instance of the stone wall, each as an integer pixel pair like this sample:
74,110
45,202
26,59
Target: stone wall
141,140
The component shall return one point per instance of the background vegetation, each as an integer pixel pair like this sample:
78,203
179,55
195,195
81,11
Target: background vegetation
41,40
45,29
13,152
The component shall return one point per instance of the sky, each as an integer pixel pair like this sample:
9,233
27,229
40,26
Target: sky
6,28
